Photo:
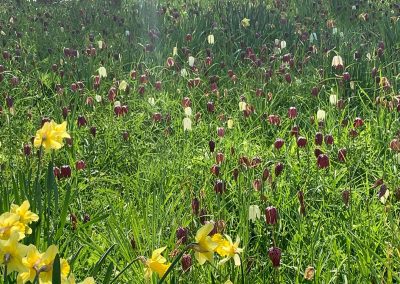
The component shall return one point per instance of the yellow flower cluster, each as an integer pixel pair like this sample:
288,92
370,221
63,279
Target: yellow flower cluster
51,135
204,248
27,260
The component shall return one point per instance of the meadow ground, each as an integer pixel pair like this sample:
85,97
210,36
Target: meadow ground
146,136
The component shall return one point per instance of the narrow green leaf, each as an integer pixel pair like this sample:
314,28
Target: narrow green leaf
109,272
101,260
56,277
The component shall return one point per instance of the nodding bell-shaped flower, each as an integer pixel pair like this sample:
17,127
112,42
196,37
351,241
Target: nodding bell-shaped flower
337,62
102,72
187,124
321,115
191,60
210,39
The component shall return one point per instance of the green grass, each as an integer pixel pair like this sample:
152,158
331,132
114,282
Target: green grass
140,190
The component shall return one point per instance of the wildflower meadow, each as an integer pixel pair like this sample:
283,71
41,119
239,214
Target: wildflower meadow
199,141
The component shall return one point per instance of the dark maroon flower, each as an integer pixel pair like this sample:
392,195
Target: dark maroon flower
118,110
278,169
382,191
65,171
342,155
186,262
125,135
86,218
93,131
211,145
255,162
158,85
181,234
358,122
195,206
219,186
56,172
279,143
27,149
188,37
219,158
294,131
323,161
9,102
329,139
353,133
346,76
81,121
274,254
74,221
157,117
318,138
221,132
210,107
266,174
80,165
235,174
215,170
395,145
292,112
274,119
271,215
257,184
301,142
314,91
288,78
203,216
346,197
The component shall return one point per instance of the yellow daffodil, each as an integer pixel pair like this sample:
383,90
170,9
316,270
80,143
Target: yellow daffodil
205,246
12,252
30,261
9,223
42,264
25,216
245,22
50,136
230,250
222,243
157,263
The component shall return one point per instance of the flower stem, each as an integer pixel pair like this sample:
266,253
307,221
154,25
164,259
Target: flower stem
174,263
5,274
241,268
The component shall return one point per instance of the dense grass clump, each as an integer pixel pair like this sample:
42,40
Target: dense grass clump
138,139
